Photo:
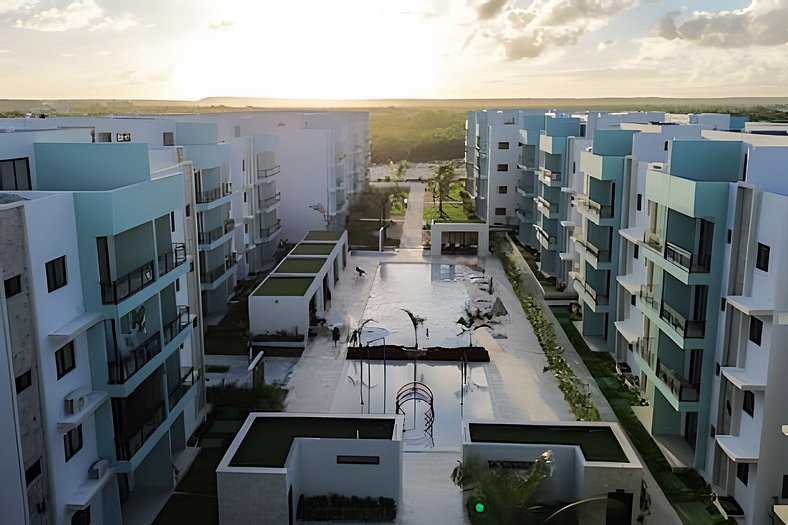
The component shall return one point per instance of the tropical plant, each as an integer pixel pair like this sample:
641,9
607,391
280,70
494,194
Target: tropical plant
443,176
472,321
501,495
416,321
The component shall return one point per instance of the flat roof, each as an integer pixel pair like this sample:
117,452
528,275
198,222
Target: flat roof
286,286
310,265
319,235
313,249
598,443
269,439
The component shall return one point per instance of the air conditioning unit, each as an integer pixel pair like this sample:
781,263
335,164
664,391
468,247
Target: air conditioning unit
98,469
76,400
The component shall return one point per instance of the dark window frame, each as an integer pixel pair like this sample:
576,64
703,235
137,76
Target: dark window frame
497,210
756,330
26,174
504,188
503,144
358,460
57,273
743,472
502,167
748,403
23,381
13,286
762,259
72,442
65,359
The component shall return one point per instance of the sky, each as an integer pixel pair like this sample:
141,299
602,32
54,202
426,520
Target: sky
350,49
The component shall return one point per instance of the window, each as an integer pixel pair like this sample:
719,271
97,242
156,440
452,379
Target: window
762,262
756,330
168,138
72,441
15,174
64,358
172,221
178,284
56,273
717,369
640,201
188,210
237,131
748,405
81,517
666,146
32,472
246,228
743,472
632,300
636,254
500,211
243,164
713,431
502,167
123,137
785,488
503,145
503,189
23,381
358,460
574,167
723,302
103,137
244,196
508,121
13,286
730,235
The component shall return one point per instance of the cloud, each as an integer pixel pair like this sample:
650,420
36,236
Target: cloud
222,24
549,24
763,22
76,15
490,9
604,45
7,6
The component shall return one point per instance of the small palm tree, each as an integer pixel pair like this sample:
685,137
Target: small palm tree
416,321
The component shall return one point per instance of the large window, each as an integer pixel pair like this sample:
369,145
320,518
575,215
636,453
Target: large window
502,167
56,273
168,138
64,358
503,145
500,211
756,330
72,442
762,262
503,189
15,174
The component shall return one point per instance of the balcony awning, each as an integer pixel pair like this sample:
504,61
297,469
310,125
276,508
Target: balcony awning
569,224
751,305
634,235
630,282
744,379
739,449
76,326
630,329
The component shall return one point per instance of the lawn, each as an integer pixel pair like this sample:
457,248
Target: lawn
363,222
453,208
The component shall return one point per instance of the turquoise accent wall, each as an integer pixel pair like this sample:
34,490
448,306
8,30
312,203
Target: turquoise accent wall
562,127
706,160
90,167
616,142
196,133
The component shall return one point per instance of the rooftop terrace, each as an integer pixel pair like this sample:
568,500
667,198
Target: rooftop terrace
313,249
269,439
289,265
598,443
284,286
324,235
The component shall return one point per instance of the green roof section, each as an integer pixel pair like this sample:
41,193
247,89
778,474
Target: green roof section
598,443
290,265
268,441
313,249
324,235
285,286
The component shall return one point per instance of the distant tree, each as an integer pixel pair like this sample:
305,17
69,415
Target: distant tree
397,173
381,200
443,176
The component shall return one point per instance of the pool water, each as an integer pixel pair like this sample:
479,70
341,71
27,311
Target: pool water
451,400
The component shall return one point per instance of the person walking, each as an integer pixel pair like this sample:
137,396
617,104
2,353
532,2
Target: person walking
335,334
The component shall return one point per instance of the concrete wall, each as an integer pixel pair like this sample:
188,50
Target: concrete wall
247,496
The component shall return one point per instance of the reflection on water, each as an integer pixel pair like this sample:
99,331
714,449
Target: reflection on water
435,292
453,400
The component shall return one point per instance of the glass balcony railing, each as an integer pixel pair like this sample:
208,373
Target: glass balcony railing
187,381
688,329
686,259
649,295
126,448
172,259
653,239
128,285
204,197
681,388
267,173
211,276
544,204
267,202
265,233
179,324
525,215
211,235
602,256
645,348
600,211
130,356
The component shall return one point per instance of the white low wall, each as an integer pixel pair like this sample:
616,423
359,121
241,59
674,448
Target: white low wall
437,229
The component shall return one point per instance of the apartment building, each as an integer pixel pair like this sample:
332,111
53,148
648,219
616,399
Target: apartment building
101,323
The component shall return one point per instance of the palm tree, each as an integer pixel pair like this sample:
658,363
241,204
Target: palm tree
443,175
416,320
472,321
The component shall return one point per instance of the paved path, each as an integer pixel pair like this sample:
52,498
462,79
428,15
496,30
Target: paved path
414,217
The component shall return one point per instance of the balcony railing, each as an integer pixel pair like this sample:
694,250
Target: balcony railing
598,298
128,285
129,359
212,275
544,236
212,235
177,325
525,190
268,201
600,211
127,448
681,388
267,232
187,381
653,239
172,259
600,255
685,259
688,329
645,349
551,207
204,197
267,173
525,215
649,294
229,225
549,176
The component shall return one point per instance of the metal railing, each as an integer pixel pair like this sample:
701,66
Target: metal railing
128,285
126,448
229,225
204,197
681,388
649,294
268,201
179,324
267,173
544,236
212,275
129,360
685,259
600,255
187,381
551,207
524,215
688,329
550,176
172,259
211,235
598,298
601,211
267,232
653,239
645,349
525,190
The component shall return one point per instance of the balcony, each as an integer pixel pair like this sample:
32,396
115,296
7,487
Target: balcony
688,329
594,255
128,285
653,239
525,215
681,388
649,296
547,241
268,203
548,209
179,324
205,197
685,259
266,234
550,177
645,349
172,259
598,299
599,211
131,355
126,448
268,173
187,381
525,191
213,235
213,275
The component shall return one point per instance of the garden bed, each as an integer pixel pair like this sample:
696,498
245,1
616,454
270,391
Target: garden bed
342,508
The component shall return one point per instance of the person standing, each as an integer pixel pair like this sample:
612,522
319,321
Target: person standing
335,334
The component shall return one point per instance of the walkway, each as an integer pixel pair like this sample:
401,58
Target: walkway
414,217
